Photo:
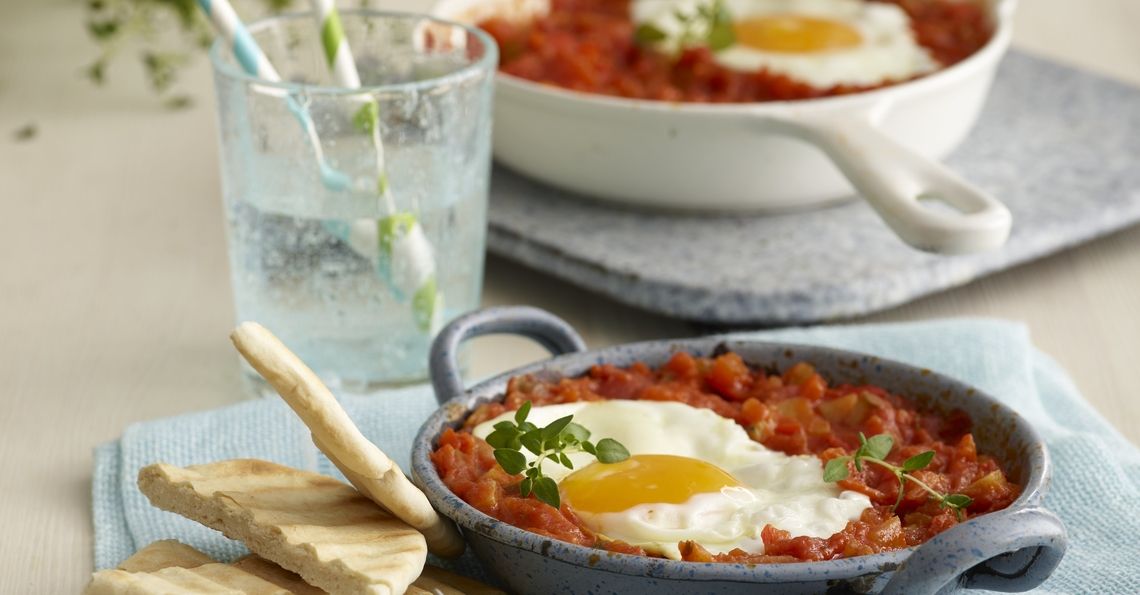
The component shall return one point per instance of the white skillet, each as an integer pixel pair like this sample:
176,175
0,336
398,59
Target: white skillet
759,157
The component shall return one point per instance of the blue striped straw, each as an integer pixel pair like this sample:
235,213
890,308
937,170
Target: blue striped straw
254,63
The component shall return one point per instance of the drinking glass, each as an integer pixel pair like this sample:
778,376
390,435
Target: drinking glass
320,231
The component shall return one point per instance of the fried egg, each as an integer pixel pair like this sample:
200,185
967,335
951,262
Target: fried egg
820,42
692,475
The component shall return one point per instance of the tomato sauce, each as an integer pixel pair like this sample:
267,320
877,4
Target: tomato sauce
796,412
589,46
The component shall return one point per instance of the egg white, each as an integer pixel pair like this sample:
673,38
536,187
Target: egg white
785,491
888,51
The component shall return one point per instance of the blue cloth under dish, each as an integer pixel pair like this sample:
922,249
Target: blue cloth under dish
1096,482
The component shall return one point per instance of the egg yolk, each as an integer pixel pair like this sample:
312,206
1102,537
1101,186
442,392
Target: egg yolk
642,479
797,34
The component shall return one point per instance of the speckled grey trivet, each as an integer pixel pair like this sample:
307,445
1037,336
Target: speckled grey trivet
1061,147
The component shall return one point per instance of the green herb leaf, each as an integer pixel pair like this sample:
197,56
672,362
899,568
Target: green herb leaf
721,37
178,102
918,461
512,461
576,431
957,501
878,447
506,424
162,68
611,451
588,446
25,133
709,25
546,489
501,438
524,486
103,30
523,411
97,72
721,13
721,33
647,34
532,441
565,460
551,431
836,469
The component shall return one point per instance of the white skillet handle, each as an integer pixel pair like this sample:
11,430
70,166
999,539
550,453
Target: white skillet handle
894,179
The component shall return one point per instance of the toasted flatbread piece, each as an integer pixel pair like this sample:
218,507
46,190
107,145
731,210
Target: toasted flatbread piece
169,566
207,578
143,573
434,577
432,581
170,553
365,465
258,566
313,525
164,554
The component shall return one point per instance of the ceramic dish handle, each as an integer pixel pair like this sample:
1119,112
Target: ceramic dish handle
1002,551
550,331
897,182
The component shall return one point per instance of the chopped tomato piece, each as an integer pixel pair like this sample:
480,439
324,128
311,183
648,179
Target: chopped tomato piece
729,377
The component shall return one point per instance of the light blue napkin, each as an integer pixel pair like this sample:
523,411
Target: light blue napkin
1095,488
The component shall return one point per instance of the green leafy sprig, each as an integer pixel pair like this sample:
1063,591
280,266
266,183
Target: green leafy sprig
555,441
165,34
874,450
710,26
147,26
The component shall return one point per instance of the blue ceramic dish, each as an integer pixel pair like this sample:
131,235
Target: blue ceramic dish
1010,550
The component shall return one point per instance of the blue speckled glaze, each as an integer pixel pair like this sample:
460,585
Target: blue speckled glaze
1064,162
1010,550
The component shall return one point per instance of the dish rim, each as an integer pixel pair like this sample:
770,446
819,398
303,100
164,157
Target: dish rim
1002,12
455,409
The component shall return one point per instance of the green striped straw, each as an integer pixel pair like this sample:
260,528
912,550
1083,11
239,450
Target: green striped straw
406,258
254,63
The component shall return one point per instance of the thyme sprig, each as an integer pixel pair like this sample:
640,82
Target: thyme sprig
558,439
166,35
874,450
710,25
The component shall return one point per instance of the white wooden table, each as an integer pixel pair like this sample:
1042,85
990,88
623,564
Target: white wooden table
115,301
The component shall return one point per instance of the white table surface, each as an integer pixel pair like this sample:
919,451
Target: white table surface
115,301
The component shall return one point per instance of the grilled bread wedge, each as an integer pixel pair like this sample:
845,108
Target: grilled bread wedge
258,566
208,579
165,554
315,526
365,465
153,559
170,567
